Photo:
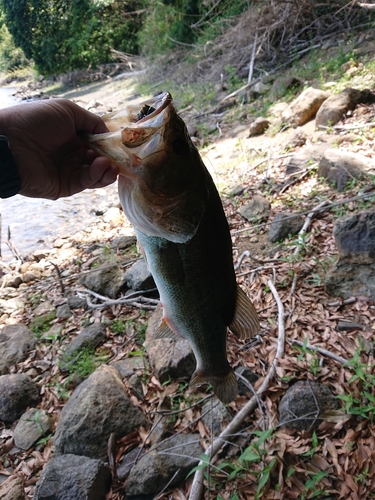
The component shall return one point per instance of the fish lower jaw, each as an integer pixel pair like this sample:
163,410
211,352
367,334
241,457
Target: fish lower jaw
224,386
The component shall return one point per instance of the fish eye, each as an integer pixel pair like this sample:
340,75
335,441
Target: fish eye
180,146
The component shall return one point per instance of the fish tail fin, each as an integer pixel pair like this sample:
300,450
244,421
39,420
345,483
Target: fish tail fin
245,322
225,386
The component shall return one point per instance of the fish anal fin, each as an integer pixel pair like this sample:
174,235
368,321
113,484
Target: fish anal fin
245,323
164,332
225,387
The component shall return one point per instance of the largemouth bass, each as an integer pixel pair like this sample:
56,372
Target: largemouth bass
171,200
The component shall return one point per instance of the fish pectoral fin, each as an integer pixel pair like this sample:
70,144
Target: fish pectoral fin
164,332
225,386
245,322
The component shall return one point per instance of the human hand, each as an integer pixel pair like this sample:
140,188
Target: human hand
51,158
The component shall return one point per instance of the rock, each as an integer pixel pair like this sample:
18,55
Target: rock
257,210
169,358
33,425
339,167
277,109
296,139
63,311
123,242
259,126
100,398
305,157
40,322
138,277
260,88
249,375
303,402
128,366
12,490
236,191
16,341
107,280
11,305
304,107
90,337
71,477
53,333
349,278
282,84
283,225
215,416
135,385
355,236
75,302
126,464
11,280
114,215
335,107
160,466
17,392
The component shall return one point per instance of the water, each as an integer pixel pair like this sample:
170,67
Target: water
36,223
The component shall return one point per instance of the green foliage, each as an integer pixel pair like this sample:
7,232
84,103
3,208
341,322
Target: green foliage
11,57
41,324
60,35
84,362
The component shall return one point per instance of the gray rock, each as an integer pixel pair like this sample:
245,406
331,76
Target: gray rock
155,469
13,490
123,242
135,384
169,358
296,139
17,392
63,311
128,366
304,107
33,425
305,157
71,477
75,302
127,463
282,226
90,337
16,341
107,280
249,375
339,167
138,277
215,416
257,210
284,83
336,106
43,308
99,399
302,404
355,236
350,278
259,126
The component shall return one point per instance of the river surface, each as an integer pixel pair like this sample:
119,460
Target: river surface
36,223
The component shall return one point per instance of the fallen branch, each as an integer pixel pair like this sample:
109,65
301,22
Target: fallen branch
302,232
197,486
329,354
141,302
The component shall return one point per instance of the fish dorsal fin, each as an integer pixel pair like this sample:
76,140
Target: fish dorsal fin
164,332
245,322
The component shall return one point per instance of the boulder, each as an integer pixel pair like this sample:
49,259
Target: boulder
106,280
305,157
138,277
355,236
283,225
259,126
16,341
100,398
13,490
349,278
17,392
33,425
245,373
216,416
304,402
257,210
170,358
304,107
335,107
71,477
166,464
340,167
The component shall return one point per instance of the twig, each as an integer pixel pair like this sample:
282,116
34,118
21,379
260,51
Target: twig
251,65
301,175
341,302
329,354
212,450
142,302
302,232
169,482
59,277
247,253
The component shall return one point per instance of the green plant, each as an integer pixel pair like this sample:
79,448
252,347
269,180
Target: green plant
310,357
83,362
41,324
313,488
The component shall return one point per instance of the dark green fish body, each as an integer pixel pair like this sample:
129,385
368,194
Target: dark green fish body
172,202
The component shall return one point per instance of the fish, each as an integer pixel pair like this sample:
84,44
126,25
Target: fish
171,201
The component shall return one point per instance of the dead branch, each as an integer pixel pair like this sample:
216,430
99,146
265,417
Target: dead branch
329,354
197,486
141,302
368,6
